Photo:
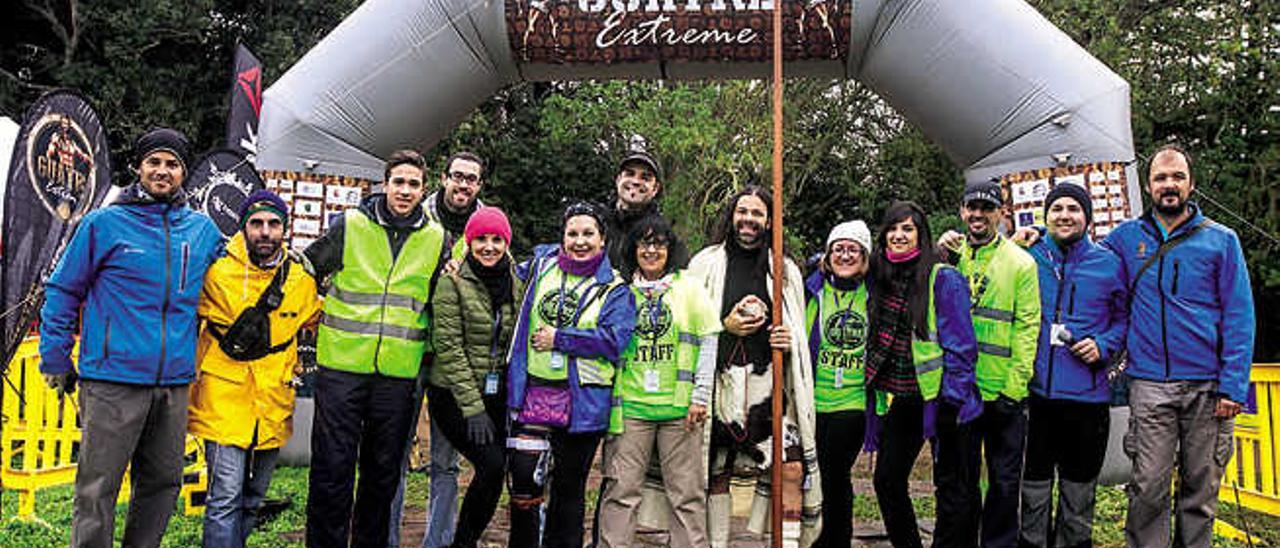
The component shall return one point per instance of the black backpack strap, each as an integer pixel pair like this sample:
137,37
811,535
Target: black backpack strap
1164,249
273,295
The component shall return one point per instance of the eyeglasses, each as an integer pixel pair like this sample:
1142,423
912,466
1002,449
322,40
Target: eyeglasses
851,250
653,245
461,177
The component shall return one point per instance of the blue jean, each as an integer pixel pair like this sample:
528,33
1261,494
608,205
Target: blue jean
442,503
238,481
441,517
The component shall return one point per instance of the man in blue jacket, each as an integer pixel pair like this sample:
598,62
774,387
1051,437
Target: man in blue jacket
1084,315
137,268
1190,347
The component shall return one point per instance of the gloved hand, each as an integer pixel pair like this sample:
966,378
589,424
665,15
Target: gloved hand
62,383
1007,406
480,429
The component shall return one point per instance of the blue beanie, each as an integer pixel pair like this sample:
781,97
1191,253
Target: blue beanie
263,200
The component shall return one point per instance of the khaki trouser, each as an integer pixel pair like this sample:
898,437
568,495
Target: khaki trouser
680,455
1172,423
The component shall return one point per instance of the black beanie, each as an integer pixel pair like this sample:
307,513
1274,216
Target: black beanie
170,140
1075,192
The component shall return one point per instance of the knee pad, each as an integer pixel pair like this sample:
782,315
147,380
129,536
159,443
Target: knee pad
529,460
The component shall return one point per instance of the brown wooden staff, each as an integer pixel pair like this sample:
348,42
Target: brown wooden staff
775,491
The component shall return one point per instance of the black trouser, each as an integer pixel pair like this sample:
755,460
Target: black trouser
956,468
901,437
571,457
489,460
1003,434
364,417
839,438
1066,440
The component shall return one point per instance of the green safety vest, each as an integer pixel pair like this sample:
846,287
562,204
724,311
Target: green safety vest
375,316
658,366
557,298
992,273
839,378
926,355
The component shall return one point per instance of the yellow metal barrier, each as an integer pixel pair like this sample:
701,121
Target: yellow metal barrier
41,439
1254,469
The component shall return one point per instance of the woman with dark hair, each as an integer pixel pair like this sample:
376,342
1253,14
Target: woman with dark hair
575,320
920,377
474,314
662,394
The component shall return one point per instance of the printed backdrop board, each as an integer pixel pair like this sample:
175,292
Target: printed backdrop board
313,201
1106,182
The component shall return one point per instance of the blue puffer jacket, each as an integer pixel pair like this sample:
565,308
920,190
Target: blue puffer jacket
1191,316
591,404
1082,288
138,269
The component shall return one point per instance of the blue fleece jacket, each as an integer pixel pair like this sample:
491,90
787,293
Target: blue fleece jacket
137,268
607,340
1081,287
1191,313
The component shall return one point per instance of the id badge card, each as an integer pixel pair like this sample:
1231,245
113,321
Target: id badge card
838,381
1058,335
557,360
651,380
491,384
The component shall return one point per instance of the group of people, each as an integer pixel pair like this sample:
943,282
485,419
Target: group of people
981,344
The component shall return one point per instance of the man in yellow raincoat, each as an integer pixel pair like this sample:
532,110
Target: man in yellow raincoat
254,302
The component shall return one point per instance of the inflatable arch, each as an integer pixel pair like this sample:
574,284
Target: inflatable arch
992,82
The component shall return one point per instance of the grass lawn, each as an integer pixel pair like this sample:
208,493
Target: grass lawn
54,507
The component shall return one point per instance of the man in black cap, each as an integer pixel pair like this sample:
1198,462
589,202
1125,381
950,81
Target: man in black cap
137,268
1005,295
638,184
1083,298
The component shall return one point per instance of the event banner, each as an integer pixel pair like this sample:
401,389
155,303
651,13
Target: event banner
220,182
60,170
623,31
246,103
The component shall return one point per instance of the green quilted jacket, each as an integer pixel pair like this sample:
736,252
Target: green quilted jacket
463,336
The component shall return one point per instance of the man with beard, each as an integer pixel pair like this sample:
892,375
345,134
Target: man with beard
136,267
242,402
1190,344
638,184
384,257
1085,313
736,272
1005,293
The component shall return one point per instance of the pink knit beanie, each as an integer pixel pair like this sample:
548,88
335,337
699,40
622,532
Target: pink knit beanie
487,220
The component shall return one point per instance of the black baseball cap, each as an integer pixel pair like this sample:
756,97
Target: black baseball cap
985,191
644,158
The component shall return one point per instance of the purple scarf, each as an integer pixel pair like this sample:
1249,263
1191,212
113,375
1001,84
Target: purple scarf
579,268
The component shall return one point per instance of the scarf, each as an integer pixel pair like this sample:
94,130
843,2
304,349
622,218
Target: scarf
889,361
496,279
579,268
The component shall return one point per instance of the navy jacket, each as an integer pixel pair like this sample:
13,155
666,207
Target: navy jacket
137,268
1082,288
1191,314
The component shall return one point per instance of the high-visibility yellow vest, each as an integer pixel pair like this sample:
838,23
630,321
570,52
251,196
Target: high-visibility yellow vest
658,366
564,300
375,316
992,272
839,378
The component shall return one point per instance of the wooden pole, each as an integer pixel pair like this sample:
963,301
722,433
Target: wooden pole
775,491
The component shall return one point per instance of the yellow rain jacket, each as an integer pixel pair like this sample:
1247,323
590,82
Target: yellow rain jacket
238,403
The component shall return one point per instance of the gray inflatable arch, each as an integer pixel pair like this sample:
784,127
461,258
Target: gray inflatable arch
998,87
992,82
